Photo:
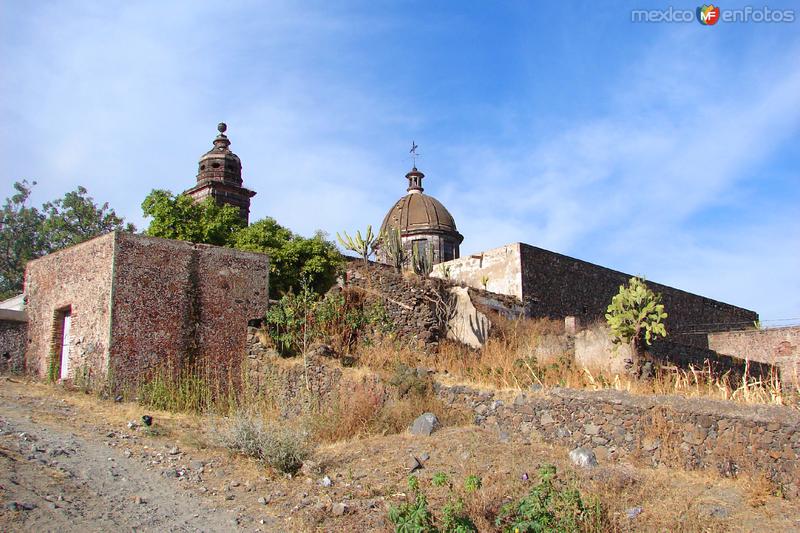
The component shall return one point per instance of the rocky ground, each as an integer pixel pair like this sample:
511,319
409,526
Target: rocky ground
70,462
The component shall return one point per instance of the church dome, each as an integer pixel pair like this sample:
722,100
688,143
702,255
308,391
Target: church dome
423,222
419,213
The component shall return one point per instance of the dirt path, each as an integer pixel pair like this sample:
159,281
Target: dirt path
69,462
61,472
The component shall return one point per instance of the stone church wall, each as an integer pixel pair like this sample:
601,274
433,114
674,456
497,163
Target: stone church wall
556,286
500,269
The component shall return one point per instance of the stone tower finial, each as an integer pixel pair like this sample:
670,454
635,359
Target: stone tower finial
219,176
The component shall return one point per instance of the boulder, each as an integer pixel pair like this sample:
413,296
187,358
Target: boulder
583,457
425,424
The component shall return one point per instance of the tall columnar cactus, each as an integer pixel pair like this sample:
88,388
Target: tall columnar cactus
363,246
392,244
422,260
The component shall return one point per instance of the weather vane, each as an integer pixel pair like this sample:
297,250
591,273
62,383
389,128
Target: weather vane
413,152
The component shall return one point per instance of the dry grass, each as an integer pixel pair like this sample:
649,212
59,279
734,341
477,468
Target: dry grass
367,409
524,352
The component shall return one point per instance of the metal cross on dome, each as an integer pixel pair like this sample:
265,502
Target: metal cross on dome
413,152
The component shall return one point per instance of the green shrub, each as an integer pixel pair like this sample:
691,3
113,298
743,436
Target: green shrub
280,446
340,319
414,516
472,483
551,505
408,382
440,479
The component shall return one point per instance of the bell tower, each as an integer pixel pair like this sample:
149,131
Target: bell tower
219,176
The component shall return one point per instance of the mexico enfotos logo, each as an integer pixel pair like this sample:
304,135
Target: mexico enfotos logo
710,15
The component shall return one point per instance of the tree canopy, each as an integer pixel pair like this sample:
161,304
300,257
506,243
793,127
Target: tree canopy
27,232
179,217
293,257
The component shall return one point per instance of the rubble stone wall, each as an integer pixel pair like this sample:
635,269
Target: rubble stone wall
12,345
410,301
689,433
78,278
175,302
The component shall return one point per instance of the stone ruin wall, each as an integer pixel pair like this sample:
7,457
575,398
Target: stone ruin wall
79,276
410,301
690,433
424,309
774,346
13,338
595,350
556,286
174,299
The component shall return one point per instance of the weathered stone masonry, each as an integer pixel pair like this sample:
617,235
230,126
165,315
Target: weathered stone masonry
138,303
774,346
690,433
557,286
13,333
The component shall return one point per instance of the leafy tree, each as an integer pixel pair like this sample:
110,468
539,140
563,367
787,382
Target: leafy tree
292,257
27,233
20,238
76,218
635,315
179,217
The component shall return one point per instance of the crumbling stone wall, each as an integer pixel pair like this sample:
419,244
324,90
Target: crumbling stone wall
690,433
775,346
595,350
12,345
415,305
283,381
77,278
425,309
556,286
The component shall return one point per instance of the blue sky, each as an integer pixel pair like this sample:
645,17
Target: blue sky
666,150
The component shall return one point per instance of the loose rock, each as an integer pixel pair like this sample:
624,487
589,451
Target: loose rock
425,424
583,457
